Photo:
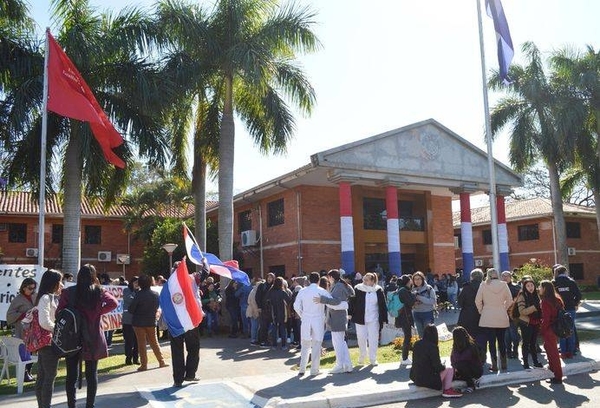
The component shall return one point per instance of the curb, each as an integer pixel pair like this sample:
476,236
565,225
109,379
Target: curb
399,392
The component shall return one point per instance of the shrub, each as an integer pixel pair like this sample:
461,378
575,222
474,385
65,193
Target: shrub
537,271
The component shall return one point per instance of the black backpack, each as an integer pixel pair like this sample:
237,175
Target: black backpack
563,325
67,339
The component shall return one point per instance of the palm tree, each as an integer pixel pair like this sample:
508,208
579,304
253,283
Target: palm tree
536,114
249,49
580,75
106,48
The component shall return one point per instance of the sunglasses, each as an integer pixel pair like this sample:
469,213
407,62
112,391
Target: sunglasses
30,287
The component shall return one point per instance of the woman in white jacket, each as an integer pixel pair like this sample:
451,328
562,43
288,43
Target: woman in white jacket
46,302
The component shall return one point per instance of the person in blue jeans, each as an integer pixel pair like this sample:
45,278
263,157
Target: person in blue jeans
571,297
425,303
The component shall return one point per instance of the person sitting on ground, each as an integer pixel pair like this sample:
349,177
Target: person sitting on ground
466,359
427,369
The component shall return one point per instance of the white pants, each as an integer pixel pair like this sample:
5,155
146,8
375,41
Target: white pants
312,331
342,354
367,336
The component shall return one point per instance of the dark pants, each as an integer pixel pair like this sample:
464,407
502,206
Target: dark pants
234,314
91,380
185,367
263,328
46,374
495,336
407,331
530,334
467,371
131,347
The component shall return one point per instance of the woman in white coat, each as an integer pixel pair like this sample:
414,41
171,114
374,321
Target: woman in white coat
492,300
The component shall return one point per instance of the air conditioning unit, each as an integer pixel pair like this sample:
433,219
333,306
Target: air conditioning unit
571,251
248,238
104,256
31,252
478,262
123,259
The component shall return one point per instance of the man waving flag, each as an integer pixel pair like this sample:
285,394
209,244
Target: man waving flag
506,51
228,269
180,302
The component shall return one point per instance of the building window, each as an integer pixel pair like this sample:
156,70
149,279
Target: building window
529,232
374,214
17,233
244,221
275,213
576,271
278,270
93,234
573,230
458,241
487,237
57,233
405,208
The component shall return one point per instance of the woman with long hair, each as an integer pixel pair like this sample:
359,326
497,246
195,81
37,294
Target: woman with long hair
551,302
528,304
405,315
20,305
493,300
369,313
279,298
427,369
91,301
465,358
425,303
47,366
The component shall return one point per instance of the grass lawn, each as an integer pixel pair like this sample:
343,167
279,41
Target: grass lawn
591,295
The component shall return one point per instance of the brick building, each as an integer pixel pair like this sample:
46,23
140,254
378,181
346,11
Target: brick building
531,237
104,241
385,200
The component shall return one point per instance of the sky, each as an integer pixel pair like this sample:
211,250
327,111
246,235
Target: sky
385,64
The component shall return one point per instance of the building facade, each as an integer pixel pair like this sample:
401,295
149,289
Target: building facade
532,238
381,202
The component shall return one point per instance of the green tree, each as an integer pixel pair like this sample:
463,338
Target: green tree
580,74
107,49
536,114
249,49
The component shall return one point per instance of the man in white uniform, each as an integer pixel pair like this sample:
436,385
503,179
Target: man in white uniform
312,326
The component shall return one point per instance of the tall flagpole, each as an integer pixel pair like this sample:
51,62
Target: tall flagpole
42,198
488,138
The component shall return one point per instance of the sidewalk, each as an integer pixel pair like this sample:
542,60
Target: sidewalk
234,375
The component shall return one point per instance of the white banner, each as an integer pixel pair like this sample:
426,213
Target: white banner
11,277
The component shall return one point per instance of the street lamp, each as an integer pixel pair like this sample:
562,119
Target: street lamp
170,248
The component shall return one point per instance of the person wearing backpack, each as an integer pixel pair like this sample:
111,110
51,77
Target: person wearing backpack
550,304
46,303
91,301
369,314
571,296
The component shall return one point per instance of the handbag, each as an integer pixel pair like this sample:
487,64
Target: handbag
35,336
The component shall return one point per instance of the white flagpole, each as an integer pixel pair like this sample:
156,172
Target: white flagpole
42,197
488,137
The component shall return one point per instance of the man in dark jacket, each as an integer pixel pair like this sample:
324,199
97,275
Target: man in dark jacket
571,296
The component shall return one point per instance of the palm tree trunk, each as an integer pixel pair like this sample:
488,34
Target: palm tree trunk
559,216
226,163
199,191
72,167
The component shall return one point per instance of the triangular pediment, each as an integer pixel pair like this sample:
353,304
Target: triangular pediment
422,153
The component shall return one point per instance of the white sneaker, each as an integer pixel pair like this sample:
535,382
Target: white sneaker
374,363
337,370
406,362
348,368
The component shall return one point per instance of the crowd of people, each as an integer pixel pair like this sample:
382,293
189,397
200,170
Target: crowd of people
280,313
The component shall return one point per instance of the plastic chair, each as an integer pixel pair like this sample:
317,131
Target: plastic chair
4,372
10,351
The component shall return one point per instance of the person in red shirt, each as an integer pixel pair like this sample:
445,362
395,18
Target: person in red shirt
550,305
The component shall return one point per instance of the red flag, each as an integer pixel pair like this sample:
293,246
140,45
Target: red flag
70,96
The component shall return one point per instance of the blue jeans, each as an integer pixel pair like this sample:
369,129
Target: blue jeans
512,339
254,329
568,345
245,320
212,321
422,319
